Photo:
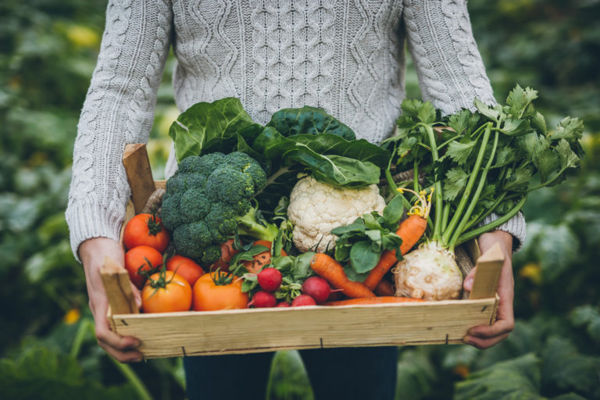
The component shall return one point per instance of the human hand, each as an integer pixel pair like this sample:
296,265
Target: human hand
484,336
92,253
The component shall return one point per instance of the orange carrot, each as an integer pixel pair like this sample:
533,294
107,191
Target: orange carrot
410,230
332,271
372,300
384,288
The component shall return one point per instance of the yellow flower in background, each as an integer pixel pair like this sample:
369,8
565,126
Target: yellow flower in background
82,36
72,316
533,272
461,370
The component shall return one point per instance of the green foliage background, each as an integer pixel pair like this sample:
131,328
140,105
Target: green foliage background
48,50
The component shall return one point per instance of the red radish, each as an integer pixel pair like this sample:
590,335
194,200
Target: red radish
317,288
263,299
283,304
303,300
269,279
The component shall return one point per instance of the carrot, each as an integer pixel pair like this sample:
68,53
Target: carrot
372,300
384,288
332,271
410,230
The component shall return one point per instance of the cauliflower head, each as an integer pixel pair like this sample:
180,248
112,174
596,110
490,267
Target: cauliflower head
316,208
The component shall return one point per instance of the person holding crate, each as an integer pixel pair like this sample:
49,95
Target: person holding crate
345,57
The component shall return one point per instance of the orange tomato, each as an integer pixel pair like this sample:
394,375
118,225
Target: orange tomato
186,267
137,260
261,259
218,291
145,229
166,292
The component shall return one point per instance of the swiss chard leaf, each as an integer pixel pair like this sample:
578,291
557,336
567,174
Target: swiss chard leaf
203,123
309,120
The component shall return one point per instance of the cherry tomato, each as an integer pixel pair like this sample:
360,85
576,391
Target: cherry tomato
166,292
218,291
144,257
145,229
186,267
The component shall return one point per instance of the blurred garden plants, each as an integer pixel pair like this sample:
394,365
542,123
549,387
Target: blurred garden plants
48,50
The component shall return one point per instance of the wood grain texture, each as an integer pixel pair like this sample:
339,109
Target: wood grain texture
139,174
260,330
487,275
118,288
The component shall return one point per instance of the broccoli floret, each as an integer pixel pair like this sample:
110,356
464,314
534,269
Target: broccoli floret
209,199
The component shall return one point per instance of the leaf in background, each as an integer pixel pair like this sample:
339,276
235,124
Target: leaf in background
203,123
504,156
515,127
308,120
519,99
44,373
568,128
519,179
455,182
460,151
565,368
486,110
548,163
539,122
568,158
416,374
426,113
463,121
588,316
518,378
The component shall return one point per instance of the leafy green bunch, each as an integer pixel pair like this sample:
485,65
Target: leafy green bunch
481,162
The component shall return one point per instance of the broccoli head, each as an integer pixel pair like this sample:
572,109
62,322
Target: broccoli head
209,199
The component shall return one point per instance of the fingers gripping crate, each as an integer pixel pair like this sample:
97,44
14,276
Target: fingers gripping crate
260,330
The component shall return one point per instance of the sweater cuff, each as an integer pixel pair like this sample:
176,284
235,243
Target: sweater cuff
516,226
88,220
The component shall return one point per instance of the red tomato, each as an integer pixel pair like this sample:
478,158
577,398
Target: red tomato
261,259
145,229
186,267
166,292
144,258
218,291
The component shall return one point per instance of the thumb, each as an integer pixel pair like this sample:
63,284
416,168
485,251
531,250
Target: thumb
468,282
136,295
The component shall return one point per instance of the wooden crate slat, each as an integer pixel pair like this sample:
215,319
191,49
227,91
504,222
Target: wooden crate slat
255,330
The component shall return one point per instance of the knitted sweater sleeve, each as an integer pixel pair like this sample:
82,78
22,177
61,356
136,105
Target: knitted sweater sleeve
118,109
449,67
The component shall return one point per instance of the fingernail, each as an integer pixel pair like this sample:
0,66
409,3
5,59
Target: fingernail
467,339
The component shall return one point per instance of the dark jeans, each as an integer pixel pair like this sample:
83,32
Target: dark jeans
344,373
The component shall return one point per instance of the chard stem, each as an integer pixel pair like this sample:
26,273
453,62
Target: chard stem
465,197
437,186
472,234
475,198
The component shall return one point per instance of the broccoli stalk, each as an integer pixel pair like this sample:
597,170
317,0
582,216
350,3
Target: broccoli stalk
254,226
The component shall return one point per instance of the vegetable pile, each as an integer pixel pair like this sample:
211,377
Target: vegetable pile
300,212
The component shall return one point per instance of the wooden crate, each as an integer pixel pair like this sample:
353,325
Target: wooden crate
260,330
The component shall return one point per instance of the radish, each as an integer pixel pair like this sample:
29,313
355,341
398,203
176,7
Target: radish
263,299
318,288
283,304
303,300
269,279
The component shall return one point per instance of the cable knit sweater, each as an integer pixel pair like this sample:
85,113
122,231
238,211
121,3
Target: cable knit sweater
344,56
